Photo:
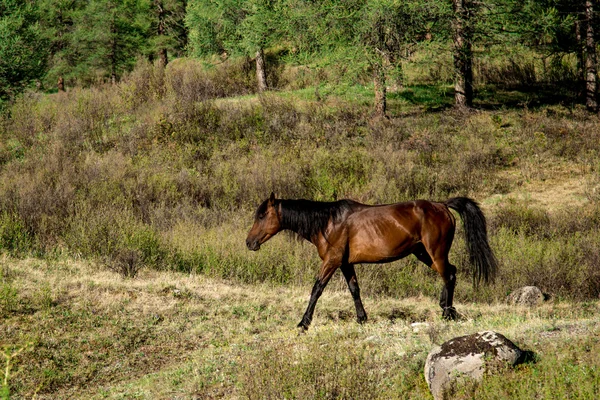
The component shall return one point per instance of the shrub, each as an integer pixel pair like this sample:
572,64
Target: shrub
14,238
113,172
518,218
126,262
9,299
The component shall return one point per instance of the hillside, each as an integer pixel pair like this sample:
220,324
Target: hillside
124,209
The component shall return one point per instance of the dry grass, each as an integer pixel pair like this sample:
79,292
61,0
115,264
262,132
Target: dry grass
157,177
170,335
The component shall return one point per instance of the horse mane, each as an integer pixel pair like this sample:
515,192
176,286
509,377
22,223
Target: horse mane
309,218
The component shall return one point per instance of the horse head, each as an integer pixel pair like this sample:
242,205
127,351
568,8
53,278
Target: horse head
267,222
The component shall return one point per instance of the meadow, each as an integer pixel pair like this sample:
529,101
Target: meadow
124,210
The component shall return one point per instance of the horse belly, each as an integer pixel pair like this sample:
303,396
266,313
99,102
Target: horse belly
366,248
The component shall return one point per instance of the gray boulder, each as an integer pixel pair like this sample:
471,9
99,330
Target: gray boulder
526,296
469,357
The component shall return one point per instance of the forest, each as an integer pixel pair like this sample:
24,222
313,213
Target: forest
53,44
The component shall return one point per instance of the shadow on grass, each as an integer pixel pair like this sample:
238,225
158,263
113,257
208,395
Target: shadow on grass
492,97
437,98
429,97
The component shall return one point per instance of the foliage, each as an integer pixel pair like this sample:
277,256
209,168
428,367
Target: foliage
163,172
107,37
86,42
233,26
23,48
167,30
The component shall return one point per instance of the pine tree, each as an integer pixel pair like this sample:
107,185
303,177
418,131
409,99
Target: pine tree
235,27
591,100
58,19
464,11
23,48
108,36
168,33
387,32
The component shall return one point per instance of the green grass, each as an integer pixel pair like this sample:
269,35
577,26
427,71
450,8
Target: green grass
166,335
161,175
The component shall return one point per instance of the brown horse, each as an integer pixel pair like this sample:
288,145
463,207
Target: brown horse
346,233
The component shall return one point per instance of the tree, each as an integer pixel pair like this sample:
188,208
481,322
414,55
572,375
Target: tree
108,36
546,26
390,30
58,21
260,29
590,60
168,33
559,27
463,52
235,27
23,48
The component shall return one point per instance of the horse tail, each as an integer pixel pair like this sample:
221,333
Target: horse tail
480,254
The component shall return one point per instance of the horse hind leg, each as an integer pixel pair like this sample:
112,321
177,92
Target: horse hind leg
447,295
448,273
350,275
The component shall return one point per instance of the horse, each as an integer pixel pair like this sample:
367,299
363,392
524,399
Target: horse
347,232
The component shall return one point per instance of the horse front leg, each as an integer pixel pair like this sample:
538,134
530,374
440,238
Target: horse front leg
350,275
325,273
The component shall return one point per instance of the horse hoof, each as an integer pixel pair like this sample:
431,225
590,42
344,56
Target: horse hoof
450,314
361,320
302,327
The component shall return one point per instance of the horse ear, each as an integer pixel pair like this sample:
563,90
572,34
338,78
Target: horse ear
272,199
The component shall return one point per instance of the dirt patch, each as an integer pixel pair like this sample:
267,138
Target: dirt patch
557,187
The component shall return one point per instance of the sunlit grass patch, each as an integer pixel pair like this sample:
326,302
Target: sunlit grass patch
168,334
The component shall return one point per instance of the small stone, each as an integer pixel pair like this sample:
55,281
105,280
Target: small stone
417,326
526,296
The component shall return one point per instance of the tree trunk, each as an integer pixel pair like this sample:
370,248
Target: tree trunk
380,91
61,84
261,73
161,30
162,57
113,50
463,55
590,58
580,53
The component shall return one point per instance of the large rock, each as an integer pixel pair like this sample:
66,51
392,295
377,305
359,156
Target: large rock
468,357
526,296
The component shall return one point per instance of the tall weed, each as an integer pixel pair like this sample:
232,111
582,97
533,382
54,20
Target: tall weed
164,170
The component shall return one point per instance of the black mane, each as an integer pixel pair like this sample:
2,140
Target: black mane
309,218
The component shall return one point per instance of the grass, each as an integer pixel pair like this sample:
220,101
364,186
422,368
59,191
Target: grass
168,335
124,208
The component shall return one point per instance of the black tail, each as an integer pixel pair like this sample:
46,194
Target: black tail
480,253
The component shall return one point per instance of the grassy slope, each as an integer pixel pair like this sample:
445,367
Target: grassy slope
146,179
167,335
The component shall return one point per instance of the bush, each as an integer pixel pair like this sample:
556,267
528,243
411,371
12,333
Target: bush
126,262
114,172
14,238
519,218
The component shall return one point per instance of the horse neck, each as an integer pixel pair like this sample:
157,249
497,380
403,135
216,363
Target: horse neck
307,218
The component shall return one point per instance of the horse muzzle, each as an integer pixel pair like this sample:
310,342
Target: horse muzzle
252,244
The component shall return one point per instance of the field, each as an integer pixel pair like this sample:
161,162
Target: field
91,334
124,210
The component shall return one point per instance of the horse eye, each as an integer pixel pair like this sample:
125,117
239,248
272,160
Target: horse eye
261,216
